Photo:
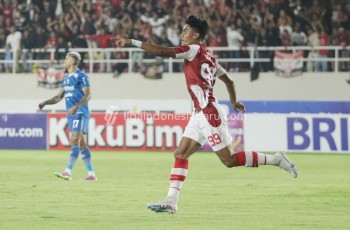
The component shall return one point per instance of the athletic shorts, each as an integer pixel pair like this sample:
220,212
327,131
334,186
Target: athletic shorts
210,124
78,124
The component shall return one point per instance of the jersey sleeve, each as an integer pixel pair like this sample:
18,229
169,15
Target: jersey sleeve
220,70
84,81
186,52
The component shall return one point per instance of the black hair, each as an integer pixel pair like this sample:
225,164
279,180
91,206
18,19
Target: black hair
198,24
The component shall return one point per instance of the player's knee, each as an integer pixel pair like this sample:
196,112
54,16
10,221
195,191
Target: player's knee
83,145
74,141
228,164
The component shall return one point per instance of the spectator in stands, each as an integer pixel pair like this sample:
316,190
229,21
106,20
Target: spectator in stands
273,39
13,45
28,42
172,33
234,41
104,40
111,21
87,28
19,18
251,32
71,26
48,12
323,53
7,9
137,56
284,19
120,67
342,38
298,37
61,49
156,22
268,17
37,20
8,25
313,40
263,42
316,9
51,41
286,38
40,42
300,14
339,17
283,25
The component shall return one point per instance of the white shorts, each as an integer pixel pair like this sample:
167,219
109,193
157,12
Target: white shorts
209,124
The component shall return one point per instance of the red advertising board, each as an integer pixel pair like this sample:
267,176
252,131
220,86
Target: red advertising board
122,131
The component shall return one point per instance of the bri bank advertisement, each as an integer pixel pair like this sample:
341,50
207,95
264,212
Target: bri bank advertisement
324,133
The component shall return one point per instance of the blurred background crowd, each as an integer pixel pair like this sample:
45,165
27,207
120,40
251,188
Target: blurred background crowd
30,24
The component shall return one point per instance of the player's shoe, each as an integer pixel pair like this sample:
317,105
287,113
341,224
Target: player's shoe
287,164
63,175
163,206
90,177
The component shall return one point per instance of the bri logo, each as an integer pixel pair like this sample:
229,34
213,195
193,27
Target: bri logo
332,133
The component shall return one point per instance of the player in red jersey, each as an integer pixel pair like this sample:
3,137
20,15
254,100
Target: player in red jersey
208,121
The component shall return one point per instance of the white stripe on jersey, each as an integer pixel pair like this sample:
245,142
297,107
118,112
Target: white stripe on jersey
190,54
220,70
201,97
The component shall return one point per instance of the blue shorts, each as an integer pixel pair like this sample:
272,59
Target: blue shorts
78,124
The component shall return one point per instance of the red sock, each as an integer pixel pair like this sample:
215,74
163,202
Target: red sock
249,159
177,177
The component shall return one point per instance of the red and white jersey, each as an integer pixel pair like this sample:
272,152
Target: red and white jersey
201,70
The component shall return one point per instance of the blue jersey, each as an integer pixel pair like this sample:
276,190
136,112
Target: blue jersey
73,85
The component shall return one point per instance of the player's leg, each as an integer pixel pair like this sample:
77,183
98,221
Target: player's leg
75,126
219,138
86,154
221,142
255,159
191,141
178,175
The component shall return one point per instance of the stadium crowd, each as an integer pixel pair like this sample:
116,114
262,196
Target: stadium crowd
64,24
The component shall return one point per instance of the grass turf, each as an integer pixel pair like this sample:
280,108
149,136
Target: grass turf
213,197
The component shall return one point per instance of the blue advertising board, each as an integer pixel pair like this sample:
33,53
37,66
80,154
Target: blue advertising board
23,131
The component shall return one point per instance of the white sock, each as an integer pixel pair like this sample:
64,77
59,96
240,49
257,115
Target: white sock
177,177
272,159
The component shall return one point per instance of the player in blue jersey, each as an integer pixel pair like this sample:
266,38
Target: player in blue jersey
76,91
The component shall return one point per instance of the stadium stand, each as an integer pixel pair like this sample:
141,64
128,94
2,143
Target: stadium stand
83,23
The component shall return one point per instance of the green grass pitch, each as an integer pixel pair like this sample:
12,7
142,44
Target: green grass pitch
213,197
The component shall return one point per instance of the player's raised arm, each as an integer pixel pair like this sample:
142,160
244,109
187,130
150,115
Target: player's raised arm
230,86
53,100
150,48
